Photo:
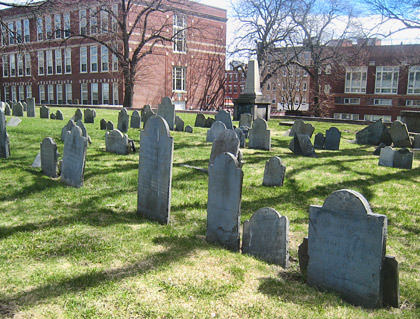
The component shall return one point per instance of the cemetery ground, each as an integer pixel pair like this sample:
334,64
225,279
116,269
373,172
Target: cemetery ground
85,253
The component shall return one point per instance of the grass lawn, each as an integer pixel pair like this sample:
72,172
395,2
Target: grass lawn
84,253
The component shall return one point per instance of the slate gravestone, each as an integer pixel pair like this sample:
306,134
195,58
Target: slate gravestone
244,130
403,158
123,118
52,116
17,109
188,129
224,201
179,124
49,157
14,121
416,141
109,126
44,112
377,150
37,161
59,115
386,157
241,136
274,172
200,120
135,121
332,139
4,138
155,171
266,236
7,110
83,128
78,116
319,141
89,115
146,113
102,124
25,106
167,111
117,142
224,117
74,157
301,145
259,135
300,127
67,128
373,134
245,120
216,129
209,122
227,141
346,247
399,134
30,107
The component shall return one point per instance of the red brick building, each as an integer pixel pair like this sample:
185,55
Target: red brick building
234,85
41,58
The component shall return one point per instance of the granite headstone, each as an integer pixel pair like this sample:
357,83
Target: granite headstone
117,142
259,135
274,172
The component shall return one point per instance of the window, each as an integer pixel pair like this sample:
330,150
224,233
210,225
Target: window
12,65
94,89
83,59
42,94
19,34
3,35
67,60
114,18
69,94
178,78
5,66
20,64
67,26
84,93
21,92
115,93
41,63
39,29
305,86
105,93
57,25
93,21
28,91
11,27
104,59
93,59
48,27
59,89
412,102
352,100
346,116
328,69
58,62
14,97
50,89
374,117
27,64
104,21
6,93
179,33
327,89
355,80
386,102
82,21
49,58
386,79
114,62
26,34
413,85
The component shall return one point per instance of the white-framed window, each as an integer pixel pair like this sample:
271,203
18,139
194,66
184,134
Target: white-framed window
3,35
19,34
5,60
12,61
83,59
58,62
351,100
20,64
21,92
94,90
413,85
59,93
67,60
375,117
385,102
94,58
14,96
49,58
328,69
57,26
180,34
6,93
386,79
104,21
114,21
48,27
356,79
412,102
327,89
28,64
50,89
84,93
105,93
93,19
26,31
28,91
115,93
346,116
114,62
82,21
104,59
67,25
11,27
42,94
178,78
41,63
40,29
69,93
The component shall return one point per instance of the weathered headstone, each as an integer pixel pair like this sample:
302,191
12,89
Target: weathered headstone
227,141
259,135
377,150
301,128
102,124
44,112
167,111
37,161
155,171
241,136
188,129
301,145
7,110
266,236
200,120
403,158
14,121
117,142
4,138
78,115
109,126
319,141
74,157
67,128
391,287
25,106
135,120
52,116
59,115
373,134
209,122
30,107
386,157
399,134
245,120
416,141
49,157
146,113
89,115
274,172
179,124
123,119
346,248
224,117
224,201
17,109
216,129
332,139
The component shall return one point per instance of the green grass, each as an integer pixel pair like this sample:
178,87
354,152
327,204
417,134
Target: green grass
84,253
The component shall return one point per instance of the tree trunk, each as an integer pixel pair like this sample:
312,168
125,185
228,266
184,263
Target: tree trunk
128,89
316,110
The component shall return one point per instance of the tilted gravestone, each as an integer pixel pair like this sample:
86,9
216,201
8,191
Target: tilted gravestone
44,112
30,107
7,110
301,145
146,113
109,126
123,119
332,139
216,129
102,124
89,115
117,142
227,141
17,109
179,124
167,111
13,122
155,171
200,120
49,157
346,248
78,115
416,141
52,116
386,157
188,129
403,158
67,128
241,136
209,122
135,120
37,161
224,201
259,135
224,117
245,120
4,138
374,134
25,106
266,236
301,128
274,172
59,115
74,157
319,141
399,134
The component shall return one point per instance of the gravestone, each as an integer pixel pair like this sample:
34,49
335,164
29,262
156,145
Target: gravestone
216,129
274,172
25,106
227,141
167,111
209,122
224,201
266,236
200,120
241,136
332,139
399,134
301,128
346,248
67,128
403,158
117,142
2,106
386,157
52,116
102,124
245,130
188,129
319,141
17,109
37,161
59,115
123,119
30,107
245,120
146,113
14,121
179,124
374,134
7,110
74,157
377,150
224,117
416,141
4,138
83,128
89,115
109,126
259,135
44,112
155,171
49,157
78,115
301,145
135,121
